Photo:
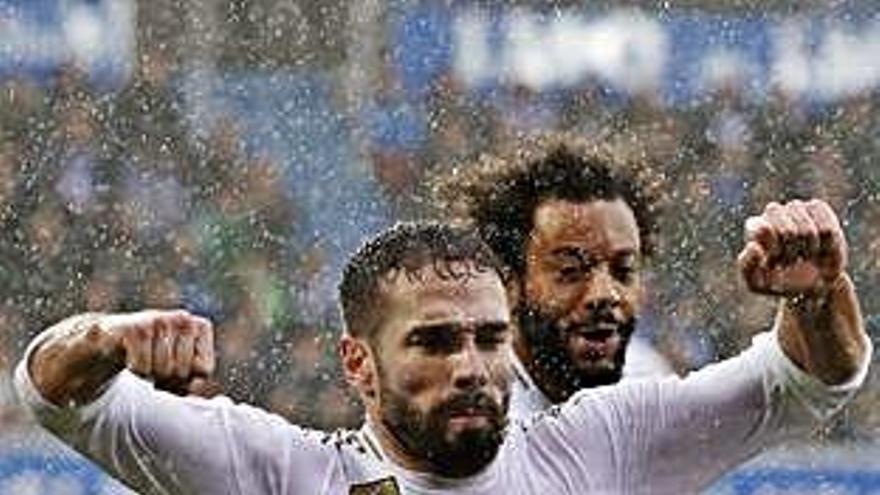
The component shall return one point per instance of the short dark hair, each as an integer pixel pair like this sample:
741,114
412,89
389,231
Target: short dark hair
407,248
500,193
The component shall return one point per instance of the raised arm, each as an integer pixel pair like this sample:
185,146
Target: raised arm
677,435
78,377
798,251
74,360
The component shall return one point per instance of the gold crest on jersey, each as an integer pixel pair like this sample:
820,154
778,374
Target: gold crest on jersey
387,486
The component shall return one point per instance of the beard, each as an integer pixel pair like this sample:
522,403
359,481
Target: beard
427,437
551,354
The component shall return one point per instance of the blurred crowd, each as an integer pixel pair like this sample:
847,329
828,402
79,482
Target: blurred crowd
109,201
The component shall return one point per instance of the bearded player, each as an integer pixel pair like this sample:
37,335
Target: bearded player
573,227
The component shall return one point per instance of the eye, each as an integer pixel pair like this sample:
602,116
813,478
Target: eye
434,341
491,338
625,272
570,274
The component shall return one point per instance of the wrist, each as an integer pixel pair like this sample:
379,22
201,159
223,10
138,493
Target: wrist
77,358
103,342
819,296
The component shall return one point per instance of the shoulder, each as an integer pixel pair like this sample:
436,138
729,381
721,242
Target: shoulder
600,412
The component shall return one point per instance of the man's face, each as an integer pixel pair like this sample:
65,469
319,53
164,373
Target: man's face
580,293
443,356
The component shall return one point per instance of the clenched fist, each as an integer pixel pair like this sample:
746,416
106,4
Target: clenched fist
792,249
79,355
175,349
163,344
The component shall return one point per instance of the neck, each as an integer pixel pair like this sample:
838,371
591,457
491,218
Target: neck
543,380
392,448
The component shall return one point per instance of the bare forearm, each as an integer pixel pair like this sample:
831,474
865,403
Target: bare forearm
75,361
824,333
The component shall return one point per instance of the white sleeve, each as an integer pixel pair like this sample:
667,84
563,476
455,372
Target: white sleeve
677,435
159,443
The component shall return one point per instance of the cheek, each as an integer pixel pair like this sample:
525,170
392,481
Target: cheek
417,379
631,301
544,292
500,371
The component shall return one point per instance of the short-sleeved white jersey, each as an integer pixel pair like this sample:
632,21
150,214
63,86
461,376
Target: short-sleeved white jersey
665,436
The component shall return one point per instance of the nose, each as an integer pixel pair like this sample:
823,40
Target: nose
470,369
600,292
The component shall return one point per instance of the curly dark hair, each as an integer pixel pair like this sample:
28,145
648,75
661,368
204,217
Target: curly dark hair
452,251
499,193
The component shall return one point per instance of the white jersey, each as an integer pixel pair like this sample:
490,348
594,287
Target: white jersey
643,360
666,436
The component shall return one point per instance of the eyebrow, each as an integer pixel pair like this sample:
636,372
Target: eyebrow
496,326
580,255
569,251
624,252
492,326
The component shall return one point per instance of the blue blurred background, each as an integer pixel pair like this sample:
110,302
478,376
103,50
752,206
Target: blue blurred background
225,156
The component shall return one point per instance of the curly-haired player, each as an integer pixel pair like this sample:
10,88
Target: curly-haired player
573,223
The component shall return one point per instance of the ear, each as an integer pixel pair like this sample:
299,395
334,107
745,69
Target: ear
358,365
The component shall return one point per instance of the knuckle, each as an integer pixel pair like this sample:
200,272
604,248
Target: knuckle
203,324
826,231
182,370
144,332
185,330
161,331
206,361
754,224
206,335
180,316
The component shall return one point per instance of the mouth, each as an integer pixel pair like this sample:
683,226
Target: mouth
470,412
469,418
590,344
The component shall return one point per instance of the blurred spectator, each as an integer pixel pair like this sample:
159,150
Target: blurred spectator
9,176
396,131
23,109
522,111
583,112
827,173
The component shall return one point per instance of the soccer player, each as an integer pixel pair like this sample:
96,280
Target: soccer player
573,227
427,346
